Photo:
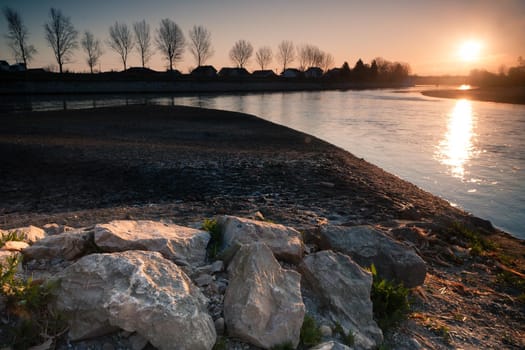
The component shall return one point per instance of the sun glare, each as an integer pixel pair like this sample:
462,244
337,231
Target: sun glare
470,50
457,147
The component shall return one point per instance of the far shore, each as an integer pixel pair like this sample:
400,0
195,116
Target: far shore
515,94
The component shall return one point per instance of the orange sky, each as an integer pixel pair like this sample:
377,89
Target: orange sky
426,34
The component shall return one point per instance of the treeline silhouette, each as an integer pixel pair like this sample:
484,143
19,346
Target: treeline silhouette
170,42
514,76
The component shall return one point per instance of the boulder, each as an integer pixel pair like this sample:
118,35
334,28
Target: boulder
343,288
366,246
183,245
285,242
31,233
15,246
69,245
331,345
135,291
263,304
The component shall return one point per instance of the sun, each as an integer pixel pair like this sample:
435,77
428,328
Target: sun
470,50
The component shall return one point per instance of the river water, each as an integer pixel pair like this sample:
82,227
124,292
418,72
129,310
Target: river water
468,152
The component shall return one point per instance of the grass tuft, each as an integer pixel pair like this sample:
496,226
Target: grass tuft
390,301
310,332
30,321
347,338
12,236
214,229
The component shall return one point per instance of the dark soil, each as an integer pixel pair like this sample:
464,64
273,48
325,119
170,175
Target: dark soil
185,164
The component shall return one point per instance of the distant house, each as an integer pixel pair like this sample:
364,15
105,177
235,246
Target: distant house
334,73
267,73
291,73
18,67
313,72
204,72
228,72
4,66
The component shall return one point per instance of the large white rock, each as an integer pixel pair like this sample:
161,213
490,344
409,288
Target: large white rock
68,246
263,304
367,245
285,242
343,288
183,245
135,291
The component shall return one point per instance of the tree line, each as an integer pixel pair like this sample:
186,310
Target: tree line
169,40
514,76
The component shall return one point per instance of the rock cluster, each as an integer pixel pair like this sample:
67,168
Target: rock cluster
153,280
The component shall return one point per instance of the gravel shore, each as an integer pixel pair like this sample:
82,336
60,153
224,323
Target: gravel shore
185,164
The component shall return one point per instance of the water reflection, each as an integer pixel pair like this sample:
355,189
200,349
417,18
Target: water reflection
456,148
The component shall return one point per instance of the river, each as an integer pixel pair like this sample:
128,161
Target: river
468,152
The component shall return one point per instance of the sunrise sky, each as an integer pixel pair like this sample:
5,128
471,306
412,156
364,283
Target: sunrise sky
434,37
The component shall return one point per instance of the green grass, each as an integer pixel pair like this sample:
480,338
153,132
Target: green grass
390,301
476,242
31,322
310,332
211,226
12,236
347,338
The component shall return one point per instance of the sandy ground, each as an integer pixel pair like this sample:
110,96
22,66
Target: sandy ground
184,164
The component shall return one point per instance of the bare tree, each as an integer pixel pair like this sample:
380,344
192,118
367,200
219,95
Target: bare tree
121,41
327,62
286,53
170,41
200,44
241,52
264,56
17,36
61,35
93,49
310,56
143,40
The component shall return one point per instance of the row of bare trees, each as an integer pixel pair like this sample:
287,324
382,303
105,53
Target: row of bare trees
307,55
62,36
169,40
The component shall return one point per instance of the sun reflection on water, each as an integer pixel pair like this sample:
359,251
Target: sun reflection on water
456,148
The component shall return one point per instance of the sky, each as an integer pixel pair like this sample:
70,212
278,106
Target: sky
429,35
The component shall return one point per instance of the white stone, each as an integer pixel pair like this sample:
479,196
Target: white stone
344,291
135,291
263,305
15,246
68,245
367,245
285,242
183,245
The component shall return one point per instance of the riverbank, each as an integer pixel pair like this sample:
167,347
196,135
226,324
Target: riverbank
182,164
514,94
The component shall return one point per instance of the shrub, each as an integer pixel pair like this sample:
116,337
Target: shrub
215,232
310,332
390,301
30,320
